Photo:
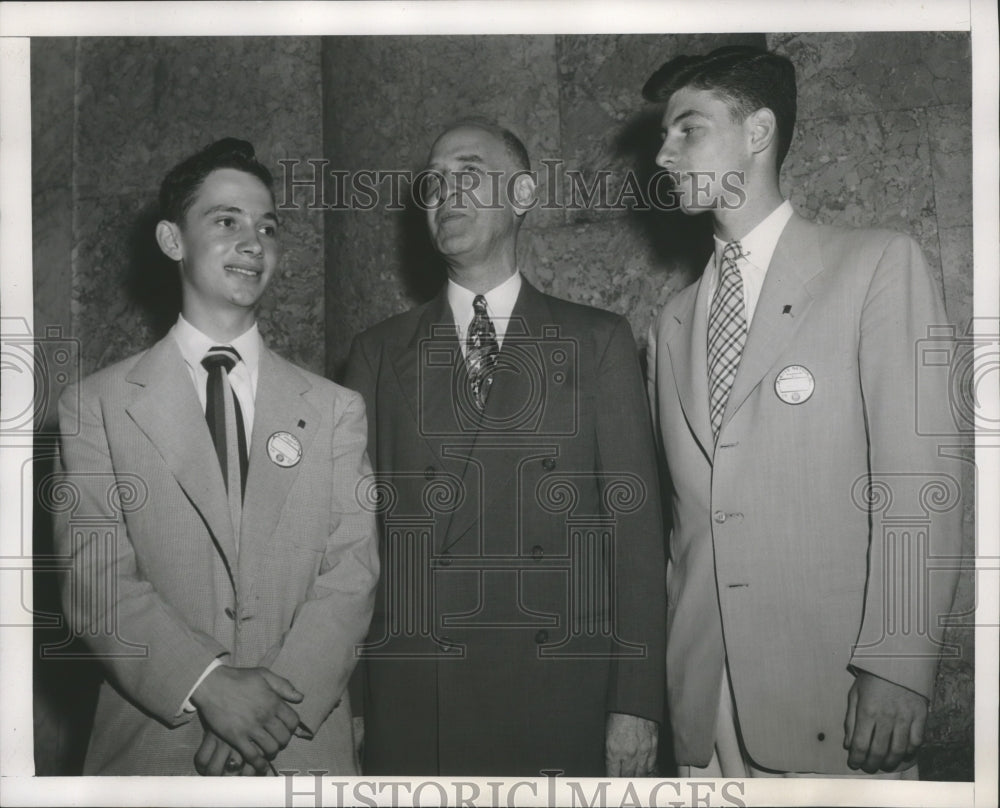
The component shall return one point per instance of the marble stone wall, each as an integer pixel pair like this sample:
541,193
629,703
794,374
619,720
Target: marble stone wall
572,99
139,106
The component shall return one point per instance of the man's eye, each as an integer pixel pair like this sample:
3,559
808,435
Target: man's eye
226,221
269,230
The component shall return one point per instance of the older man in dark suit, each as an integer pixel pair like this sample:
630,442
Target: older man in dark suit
520,623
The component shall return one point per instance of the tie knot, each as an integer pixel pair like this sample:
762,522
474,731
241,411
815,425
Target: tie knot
224,356
479,304
731,252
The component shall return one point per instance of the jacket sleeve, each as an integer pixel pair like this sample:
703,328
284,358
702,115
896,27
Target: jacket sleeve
359,376
914,493
318,653
145,646
625,444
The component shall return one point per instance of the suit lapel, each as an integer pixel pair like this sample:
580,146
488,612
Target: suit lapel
427,368
279,406
796,261
688,346
167,411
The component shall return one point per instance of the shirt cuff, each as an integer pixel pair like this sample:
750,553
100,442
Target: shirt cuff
187,706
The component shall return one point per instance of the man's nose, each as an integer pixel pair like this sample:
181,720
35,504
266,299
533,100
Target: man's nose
250,244
665,156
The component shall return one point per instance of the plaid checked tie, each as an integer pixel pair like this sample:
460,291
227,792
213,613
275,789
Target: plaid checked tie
224,416
482,350
727,334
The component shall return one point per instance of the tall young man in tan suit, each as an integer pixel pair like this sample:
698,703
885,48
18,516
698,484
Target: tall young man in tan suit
231,570
801,623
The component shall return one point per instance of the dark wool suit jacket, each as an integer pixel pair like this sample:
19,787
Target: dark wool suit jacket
156,582
523,592
803,542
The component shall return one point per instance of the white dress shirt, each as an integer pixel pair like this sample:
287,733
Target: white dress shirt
758,248
194,345
242,378
500,302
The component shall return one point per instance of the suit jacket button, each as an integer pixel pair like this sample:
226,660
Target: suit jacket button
445,559
230,613
429,473
821,736
537,551
549,463
719,517
541,636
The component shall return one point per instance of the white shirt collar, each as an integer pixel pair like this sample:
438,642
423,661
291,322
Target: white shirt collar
500,302
758,245
194,345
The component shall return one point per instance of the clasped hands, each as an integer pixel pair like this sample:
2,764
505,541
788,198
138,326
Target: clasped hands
247,719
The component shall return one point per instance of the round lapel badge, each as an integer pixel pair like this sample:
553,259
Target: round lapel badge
795,384
284,449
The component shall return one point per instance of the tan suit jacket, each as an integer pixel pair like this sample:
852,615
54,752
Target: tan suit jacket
158,584
779,561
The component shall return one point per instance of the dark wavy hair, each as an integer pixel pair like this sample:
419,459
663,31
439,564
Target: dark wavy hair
747,78
180,186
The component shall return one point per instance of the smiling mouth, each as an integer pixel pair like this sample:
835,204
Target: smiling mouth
246,272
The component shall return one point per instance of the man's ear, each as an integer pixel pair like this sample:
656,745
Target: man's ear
168,236
762,128
522,190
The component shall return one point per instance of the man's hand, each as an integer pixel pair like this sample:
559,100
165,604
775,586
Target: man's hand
213,756
246,708
884,724
630,746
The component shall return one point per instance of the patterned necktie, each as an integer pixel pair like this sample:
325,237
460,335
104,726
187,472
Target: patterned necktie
224,416
727,334
482,350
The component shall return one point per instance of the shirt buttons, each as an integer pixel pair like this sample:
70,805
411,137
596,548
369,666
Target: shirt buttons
719,517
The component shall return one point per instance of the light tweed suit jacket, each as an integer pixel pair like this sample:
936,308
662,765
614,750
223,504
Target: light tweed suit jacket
158,583
804,541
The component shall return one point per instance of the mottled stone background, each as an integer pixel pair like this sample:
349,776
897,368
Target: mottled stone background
884,138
